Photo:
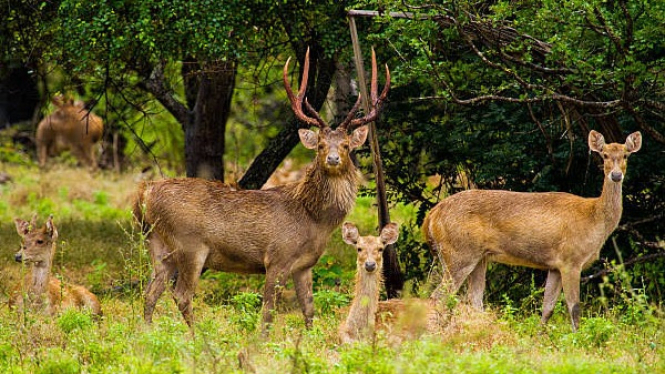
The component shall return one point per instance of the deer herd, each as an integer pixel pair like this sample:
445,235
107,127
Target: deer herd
282,231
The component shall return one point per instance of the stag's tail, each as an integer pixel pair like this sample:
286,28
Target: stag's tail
138,208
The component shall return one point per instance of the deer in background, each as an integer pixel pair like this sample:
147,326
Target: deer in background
558,232
367,313
281,231
70,127
41,291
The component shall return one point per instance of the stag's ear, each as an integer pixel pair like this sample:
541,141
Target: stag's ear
389,233
308,138
350,233
596,141
51,229
359,136
634,142
22,227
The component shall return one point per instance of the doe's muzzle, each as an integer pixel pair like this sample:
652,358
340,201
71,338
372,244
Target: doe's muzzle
616,176
370,266
18,257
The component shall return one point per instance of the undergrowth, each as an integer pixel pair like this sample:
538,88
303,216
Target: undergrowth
99,247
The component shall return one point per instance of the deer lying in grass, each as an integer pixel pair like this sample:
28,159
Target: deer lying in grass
280,231
554,231
70,127
39,291
367,313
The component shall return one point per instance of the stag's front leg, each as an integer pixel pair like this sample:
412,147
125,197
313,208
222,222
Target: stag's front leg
303,283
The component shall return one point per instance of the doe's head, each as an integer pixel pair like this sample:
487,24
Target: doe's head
370,248
615,155
37,244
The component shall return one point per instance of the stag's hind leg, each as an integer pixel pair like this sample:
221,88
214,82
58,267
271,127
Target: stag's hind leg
188,278
163,269
303,283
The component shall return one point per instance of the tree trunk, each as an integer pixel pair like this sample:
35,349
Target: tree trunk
204,134
321,73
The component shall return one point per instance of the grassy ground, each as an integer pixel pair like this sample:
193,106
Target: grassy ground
99,248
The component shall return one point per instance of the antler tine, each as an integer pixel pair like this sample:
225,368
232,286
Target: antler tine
296,101
375,101
351,114
316,115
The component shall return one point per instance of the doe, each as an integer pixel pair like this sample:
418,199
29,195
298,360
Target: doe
39,291
558,232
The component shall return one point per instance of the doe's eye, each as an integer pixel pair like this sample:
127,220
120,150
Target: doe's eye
39,241
360,249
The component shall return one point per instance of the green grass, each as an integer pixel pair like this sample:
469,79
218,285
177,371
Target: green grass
99,248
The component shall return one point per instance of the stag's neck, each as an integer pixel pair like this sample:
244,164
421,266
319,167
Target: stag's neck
610,204
328,198
362,314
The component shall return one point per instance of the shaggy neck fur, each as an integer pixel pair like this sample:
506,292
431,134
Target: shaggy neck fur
362,314
327,197
610,204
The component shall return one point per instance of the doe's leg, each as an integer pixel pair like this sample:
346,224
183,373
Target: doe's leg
552,292
571,290
477,284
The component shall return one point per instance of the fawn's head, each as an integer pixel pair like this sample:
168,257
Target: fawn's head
615,155
334,146
370,248
37,244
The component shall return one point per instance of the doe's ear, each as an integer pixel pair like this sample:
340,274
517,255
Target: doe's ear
634,142
596,141
22,227
390,233
51,229
308,138
359,136
350,233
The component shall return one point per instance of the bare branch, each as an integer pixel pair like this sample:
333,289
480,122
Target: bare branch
156,85
632,261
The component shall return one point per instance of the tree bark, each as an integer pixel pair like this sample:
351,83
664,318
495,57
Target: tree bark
204,136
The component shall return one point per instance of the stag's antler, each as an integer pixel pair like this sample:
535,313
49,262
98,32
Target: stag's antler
349,122
296,101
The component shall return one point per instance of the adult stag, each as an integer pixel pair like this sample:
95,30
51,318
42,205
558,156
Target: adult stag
281,231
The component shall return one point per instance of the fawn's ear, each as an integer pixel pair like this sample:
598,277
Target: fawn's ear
22,227
359,136
389,233
51,229
350,233
634,142
596,141
308,138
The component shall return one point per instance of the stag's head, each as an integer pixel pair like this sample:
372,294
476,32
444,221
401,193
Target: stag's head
334,145
615,155
37,244
370,248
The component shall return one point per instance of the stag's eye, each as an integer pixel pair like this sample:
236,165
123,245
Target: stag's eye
345,147
625,156
39,241
606,156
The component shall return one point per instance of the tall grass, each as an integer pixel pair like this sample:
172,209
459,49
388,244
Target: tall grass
99,247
